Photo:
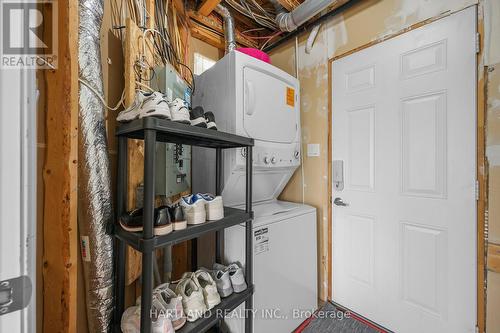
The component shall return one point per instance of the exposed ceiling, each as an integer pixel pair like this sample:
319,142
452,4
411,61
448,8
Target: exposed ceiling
254,20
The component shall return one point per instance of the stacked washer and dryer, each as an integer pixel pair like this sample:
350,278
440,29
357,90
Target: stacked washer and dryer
252,98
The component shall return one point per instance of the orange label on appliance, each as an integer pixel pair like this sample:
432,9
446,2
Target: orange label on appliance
290,96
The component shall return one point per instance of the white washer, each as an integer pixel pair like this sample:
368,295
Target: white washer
252,98
284,266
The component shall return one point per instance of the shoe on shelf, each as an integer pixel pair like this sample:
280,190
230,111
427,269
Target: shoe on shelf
192,298
213,206
146,104
203,279
197,116
179,111
133,221
178,217
194,209
210,119
223,283
131,321
235,275
172,303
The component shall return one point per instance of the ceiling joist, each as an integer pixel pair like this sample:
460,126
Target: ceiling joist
207,6
210,23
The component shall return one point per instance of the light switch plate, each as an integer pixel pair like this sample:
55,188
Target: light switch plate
313,150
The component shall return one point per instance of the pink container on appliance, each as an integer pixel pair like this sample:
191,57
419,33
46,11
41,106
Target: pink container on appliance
256,53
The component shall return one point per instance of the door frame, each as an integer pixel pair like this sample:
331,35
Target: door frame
481,174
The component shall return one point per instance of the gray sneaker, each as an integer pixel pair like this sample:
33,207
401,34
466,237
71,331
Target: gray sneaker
236,276
223,283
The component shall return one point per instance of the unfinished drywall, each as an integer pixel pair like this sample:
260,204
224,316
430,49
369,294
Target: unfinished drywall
365,22
370,21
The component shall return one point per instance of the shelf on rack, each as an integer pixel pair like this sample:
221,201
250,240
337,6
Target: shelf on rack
172,132
232,216
217,313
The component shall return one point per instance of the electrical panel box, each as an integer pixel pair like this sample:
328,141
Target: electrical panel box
173,161
173,169
170,83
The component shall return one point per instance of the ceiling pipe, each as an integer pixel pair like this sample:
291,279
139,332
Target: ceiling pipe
312,38
290,21
307,26
229,27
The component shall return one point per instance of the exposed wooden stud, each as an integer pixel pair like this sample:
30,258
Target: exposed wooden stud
60,253
482,179
133,43
207,6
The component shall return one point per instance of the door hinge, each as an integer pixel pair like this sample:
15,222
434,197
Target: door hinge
477,329
15,294
478,42
476,189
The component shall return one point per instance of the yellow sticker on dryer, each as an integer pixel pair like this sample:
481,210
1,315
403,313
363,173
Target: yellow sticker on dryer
290,97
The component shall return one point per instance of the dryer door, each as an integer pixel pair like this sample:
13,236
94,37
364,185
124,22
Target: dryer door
270,106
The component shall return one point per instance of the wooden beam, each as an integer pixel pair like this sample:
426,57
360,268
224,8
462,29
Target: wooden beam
208,37
133,45
207,6
214,24
60,254
286,5
482,178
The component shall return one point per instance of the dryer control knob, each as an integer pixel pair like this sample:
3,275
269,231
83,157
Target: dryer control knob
273,160
266,160
296,154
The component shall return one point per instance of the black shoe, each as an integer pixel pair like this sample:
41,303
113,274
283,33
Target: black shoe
197,116
178,217
210,119
132,221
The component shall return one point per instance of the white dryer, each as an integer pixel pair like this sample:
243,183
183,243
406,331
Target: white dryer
255,99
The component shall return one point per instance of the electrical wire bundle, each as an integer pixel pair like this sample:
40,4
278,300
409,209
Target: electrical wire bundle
163,42
252,9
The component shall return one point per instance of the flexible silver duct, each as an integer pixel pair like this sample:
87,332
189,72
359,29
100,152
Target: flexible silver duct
94,182
229,28
289,21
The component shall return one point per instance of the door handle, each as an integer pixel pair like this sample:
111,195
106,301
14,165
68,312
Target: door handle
339,202
250,95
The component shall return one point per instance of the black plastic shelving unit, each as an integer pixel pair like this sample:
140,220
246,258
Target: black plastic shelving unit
153,130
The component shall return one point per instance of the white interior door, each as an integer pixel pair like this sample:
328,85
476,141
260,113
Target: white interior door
17,200
404,119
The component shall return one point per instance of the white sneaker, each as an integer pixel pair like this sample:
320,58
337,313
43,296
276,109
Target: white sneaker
145,105
131,321
172,305
235,275
206,283
213,206
192,298
194,209
179,111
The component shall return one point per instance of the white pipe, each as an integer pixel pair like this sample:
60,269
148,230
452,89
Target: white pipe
300,15
312,38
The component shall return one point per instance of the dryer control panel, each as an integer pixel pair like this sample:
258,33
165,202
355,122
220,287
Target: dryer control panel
272,157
